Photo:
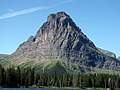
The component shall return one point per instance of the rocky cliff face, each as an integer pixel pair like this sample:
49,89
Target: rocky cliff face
59,38
107,53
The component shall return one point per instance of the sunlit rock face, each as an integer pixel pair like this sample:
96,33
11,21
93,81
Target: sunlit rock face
108,53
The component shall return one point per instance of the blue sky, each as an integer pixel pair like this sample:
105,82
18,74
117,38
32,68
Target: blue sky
98,19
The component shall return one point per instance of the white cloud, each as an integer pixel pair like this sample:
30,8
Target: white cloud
26,11
13,13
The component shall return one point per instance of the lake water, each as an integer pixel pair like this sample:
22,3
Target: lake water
37,89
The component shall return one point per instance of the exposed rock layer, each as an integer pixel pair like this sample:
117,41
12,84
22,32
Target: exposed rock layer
108,53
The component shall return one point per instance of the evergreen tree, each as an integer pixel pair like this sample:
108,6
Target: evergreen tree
19,76
1,77
11,77
31,77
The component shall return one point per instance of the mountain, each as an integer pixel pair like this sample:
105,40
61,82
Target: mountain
108,53
60,40
2,56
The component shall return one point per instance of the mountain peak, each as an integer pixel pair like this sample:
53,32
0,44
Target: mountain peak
58,15
60,20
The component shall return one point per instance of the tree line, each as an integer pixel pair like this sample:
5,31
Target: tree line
15,77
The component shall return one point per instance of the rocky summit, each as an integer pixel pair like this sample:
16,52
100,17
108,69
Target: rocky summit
59,39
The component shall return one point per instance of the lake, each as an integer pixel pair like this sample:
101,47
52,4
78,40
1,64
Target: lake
37,89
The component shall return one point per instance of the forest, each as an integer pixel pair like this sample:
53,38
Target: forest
15,77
